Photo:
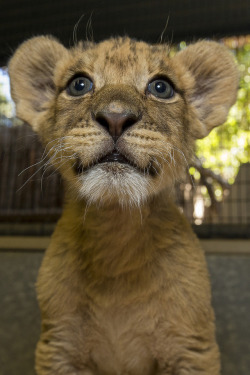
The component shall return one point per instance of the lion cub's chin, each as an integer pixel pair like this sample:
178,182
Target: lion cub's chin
115,183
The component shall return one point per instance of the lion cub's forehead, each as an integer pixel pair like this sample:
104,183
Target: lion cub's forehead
120,60
125,53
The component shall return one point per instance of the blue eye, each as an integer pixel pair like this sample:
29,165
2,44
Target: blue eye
161,89
79,86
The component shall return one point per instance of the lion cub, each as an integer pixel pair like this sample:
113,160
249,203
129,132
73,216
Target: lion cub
123,288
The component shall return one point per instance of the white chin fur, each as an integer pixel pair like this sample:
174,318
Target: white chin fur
116,184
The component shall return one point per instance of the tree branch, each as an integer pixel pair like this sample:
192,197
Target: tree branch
206,173
207,177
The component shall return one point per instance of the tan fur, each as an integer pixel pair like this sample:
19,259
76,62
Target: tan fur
123,288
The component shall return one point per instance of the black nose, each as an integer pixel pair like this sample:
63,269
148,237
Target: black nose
116,123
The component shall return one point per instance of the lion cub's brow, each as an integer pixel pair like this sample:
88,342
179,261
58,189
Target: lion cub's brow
119,61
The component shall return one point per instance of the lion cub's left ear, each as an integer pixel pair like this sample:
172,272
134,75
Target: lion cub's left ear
213,84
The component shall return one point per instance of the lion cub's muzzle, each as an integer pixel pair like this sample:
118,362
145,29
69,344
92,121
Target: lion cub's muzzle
116,108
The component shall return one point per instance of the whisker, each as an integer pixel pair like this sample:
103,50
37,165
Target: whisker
75,30
25,183
89,29
164,30
44,156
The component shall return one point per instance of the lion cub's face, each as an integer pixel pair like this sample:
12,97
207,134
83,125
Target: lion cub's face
119,117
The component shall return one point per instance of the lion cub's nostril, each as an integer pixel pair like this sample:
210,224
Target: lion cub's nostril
116,123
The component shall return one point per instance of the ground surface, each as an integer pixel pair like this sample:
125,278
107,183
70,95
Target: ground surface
19,314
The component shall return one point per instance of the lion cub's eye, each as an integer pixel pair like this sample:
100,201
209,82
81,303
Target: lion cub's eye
161,89
79,86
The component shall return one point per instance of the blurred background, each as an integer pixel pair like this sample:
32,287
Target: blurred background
215,197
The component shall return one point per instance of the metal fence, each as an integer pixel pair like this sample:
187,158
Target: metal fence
229,218
27,192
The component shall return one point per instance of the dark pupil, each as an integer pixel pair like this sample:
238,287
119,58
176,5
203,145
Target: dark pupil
79,84
160,87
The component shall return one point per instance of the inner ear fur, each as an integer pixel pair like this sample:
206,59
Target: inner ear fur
31,71
212,86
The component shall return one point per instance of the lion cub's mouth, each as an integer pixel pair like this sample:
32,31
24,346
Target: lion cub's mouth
113,157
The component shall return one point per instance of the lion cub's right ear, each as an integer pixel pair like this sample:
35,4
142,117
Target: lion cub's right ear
31,71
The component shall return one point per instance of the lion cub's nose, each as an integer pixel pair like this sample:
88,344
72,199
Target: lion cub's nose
116,123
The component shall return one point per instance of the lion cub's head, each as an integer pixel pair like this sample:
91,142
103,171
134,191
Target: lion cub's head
119,118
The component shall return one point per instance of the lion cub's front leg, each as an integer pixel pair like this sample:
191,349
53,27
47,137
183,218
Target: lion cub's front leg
182,352
193,362
60,354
